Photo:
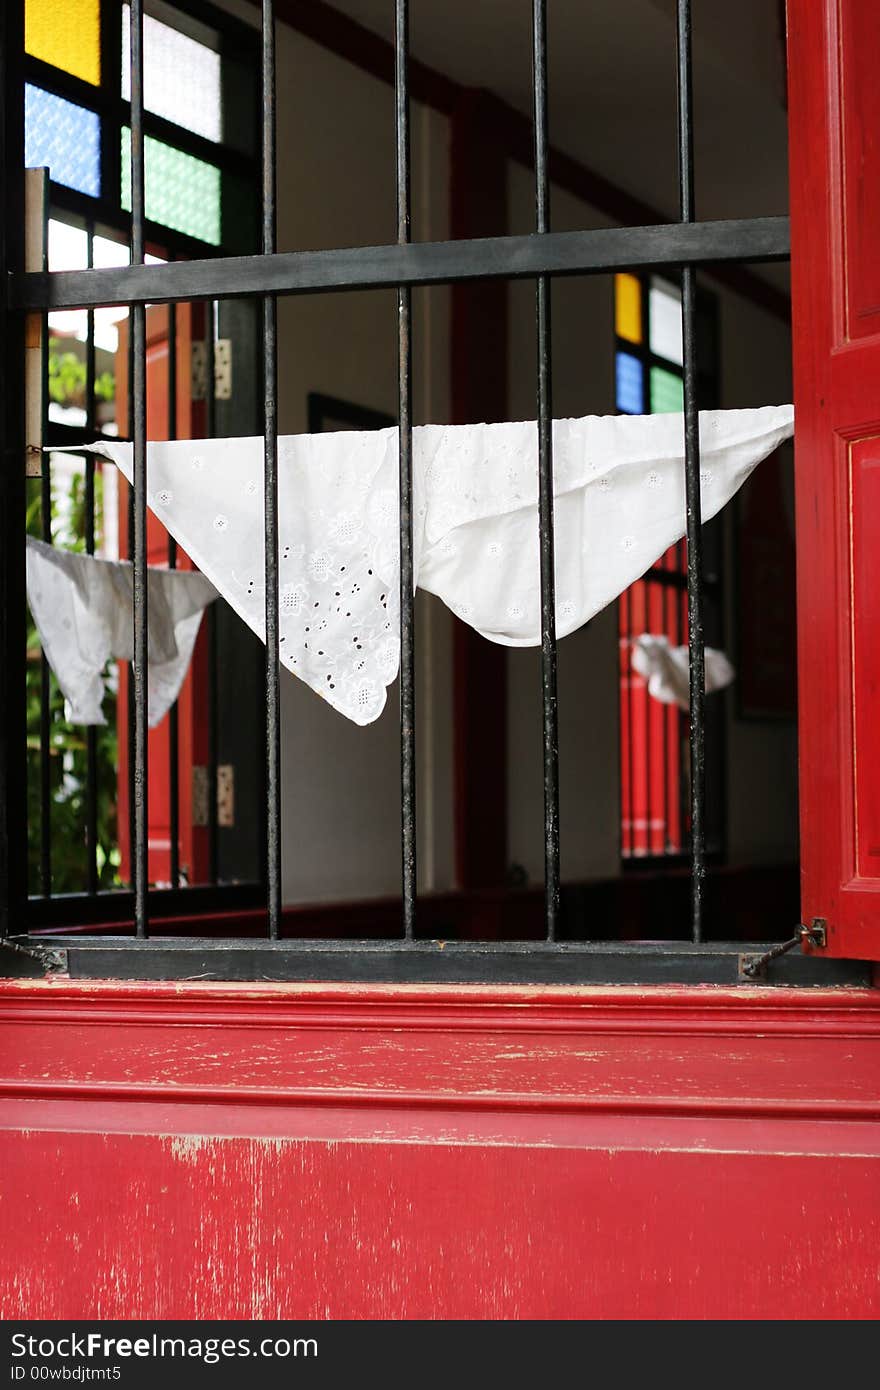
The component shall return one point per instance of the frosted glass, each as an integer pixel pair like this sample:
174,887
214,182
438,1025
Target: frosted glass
628,307
630,384
665,321
182,192
65,137
667,391
67,34
181,77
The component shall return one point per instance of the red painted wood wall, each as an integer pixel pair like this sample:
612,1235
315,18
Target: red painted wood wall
393,1152
320,1152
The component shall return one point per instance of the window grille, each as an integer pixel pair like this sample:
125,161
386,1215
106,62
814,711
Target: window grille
678,247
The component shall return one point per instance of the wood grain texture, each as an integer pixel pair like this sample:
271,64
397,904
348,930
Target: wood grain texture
835,234
409,1152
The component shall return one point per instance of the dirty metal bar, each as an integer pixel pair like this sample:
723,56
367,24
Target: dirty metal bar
213,686
139,473
173,713
404,388
418,263
270,434
89,500
37,414
545,485
696,655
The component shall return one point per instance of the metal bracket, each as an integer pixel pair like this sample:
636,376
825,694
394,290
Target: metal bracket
222,369
225,793
31,959
815,935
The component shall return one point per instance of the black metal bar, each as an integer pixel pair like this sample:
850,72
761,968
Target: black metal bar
270,436
561,963
173,713
550,722
13,715
417,263
646,627
213,675
139,475
696,654
89,508
408,846
45,670
631,779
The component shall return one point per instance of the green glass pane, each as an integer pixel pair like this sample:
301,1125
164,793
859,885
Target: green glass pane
667,392
182,192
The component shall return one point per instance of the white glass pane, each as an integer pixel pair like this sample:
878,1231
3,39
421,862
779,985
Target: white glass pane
68,246
665,321
105,255
181,77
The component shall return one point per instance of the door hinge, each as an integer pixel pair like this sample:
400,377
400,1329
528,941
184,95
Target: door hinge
225,795
815,935
222,370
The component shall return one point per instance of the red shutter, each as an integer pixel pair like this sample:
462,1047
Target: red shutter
834,102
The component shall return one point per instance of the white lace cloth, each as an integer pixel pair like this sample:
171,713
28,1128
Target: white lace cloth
82,607
667,669
620,503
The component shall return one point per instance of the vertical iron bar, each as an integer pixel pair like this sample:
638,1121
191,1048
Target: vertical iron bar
666,715
173,713
45,671
631,780
213,692
13,713
89,500
270,435
407,578
139,474
649,828
692,478
545,484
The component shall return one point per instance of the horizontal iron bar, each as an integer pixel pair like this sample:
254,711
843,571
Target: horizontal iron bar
417,263
437,961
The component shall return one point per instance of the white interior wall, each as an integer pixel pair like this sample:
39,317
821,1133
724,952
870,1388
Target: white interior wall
762,811
340,783
583,384
761,790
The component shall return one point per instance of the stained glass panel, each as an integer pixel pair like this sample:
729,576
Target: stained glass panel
667,391
64,136
628,307
181,77
665,320
630,384
67,34
182,193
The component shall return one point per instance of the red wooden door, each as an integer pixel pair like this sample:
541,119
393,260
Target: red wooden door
834,104
192,725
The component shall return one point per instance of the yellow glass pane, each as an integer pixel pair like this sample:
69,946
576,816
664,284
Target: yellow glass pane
628,307
67,34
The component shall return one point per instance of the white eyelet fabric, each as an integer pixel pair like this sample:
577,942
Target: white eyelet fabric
82,606
667,669
619,504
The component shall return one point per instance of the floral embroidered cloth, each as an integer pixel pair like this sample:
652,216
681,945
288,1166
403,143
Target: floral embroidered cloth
82,606
667,669
619,504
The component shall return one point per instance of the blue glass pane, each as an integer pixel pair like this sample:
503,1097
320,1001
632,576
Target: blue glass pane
64,136
630,384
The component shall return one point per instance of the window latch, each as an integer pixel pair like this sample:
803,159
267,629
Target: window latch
816,935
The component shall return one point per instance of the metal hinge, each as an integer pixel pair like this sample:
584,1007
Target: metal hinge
222,370
815,935
225,795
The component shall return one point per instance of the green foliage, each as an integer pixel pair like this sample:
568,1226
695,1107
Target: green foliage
67,378
68,743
